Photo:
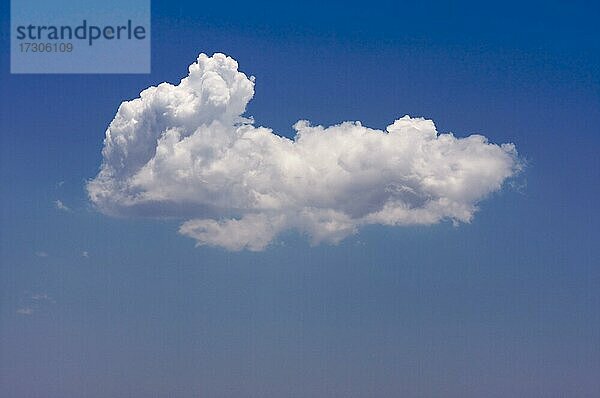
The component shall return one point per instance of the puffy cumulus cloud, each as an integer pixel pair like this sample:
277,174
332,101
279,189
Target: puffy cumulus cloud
186,151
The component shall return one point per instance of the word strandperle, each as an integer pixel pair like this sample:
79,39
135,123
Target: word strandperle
82,32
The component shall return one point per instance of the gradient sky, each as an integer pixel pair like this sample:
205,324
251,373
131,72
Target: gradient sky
505,306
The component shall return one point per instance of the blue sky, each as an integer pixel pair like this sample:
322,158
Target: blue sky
504,306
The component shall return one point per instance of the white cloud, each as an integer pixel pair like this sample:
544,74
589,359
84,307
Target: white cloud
41,297
85,254
61,206
186,151
41,254
34,302
25,311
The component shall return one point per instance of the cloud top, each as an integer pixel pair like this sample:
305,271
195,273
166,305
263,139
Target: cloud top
186,151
